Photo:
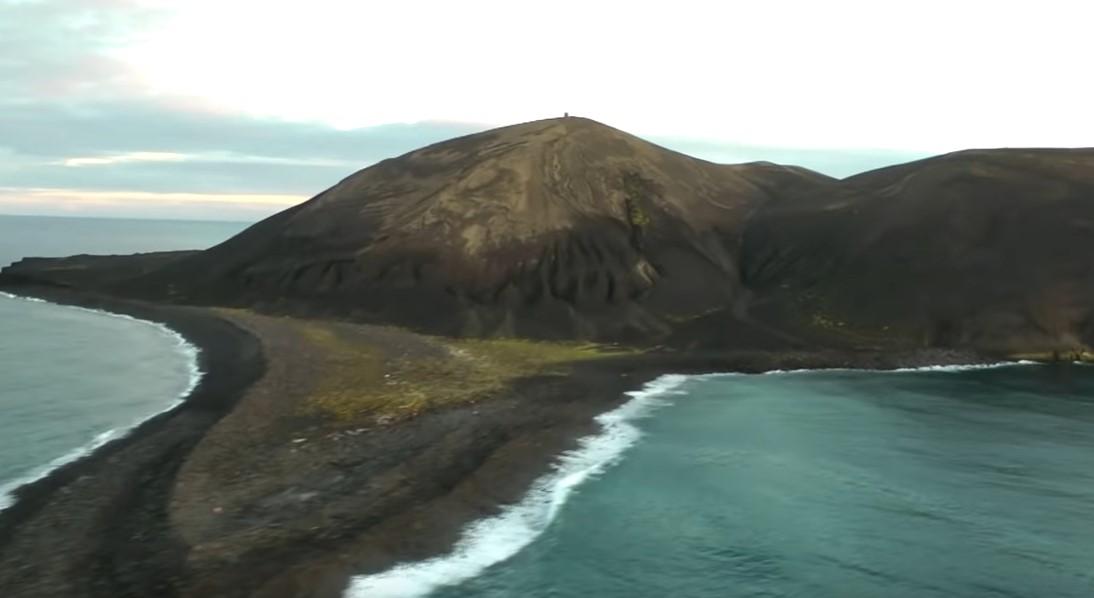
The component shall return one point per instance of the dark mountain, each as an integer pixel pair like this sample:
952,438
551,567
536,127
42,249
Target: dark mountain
567,228
562,228
989,248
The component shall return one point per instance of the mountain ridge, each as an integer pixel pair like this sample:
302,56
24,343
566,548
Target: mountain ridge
559,228
570,229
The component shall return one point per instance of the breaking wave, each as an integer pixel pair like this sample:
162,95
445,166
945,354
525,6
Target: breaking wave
495,539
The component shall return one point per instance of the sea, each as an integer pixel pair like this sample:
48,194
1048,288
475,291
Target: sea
943,482
72,379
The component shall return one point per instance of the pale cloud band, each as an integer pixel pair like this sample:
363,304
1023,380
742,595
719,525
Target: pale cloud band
210,157
160,106
140,204
122,159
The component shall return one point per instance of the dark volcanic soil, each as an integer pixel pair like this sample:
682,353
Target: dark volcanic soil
192,504
570,229
96,527
991,249
561,228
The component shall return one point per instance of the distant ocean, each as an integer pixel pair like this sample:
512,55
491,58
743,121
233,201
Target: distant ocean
72,379
952,482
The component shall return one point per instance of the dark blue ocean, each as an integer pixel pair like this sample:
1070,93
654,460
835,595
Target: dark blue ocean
72,379
973,483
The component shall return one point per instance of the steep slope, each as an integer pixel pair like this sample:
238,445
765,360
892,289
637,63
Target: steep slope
567,228
560,228
987,248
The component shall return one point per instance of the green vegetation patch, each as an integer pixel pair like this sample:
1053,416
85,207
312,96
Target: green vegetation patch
1079,354
638,190
362,379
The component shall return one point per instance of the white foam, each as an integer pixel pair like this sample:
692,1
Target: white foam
966,368
495,539
925,368
191,353
21,298
6,497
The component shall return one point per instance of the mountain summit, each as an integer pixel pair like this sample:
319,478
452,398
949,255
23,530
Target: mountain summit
558,228
570,229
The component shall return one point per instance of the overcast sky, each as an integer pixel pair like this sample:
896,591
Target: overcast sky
222,109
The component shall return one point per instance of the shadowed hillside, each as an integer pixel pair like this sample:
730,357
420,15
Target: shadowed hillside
567,228
987,248
558,228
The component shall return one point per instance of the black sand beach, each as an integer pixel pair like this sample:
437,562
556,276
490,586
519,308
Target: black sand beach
95,525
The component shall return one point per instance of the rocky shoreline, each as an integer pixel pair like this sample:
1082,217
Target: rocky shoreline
104,509
170,510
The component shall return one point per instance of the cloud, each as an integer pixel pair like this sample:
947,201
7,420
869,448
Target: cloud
58,130
144,146
244,207
158,107
63,48
935,75
76,121
123,159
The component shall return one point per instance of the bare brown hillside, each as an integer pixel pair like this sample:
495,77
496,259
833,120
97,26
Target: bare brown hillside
557,228
987,248
567,228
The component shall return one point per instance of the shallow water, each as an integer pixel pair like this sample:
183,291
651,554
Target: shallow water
72,379
845,484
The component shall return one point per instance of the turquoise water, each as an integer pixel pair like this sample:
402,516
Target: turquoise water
71,379
974,483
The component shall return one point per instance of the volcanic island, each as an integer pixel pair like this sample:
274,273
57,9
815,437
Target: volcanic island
410,349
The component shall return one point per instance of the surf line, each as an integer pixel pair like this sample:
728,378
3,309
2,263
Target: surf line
492,540
187,349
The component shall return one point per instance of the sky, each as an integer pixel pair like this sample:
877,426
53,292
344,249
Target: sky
234,109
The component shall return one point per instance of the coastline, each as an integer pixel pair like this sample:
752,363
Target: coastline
124,489
491,540
104,497
8,491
